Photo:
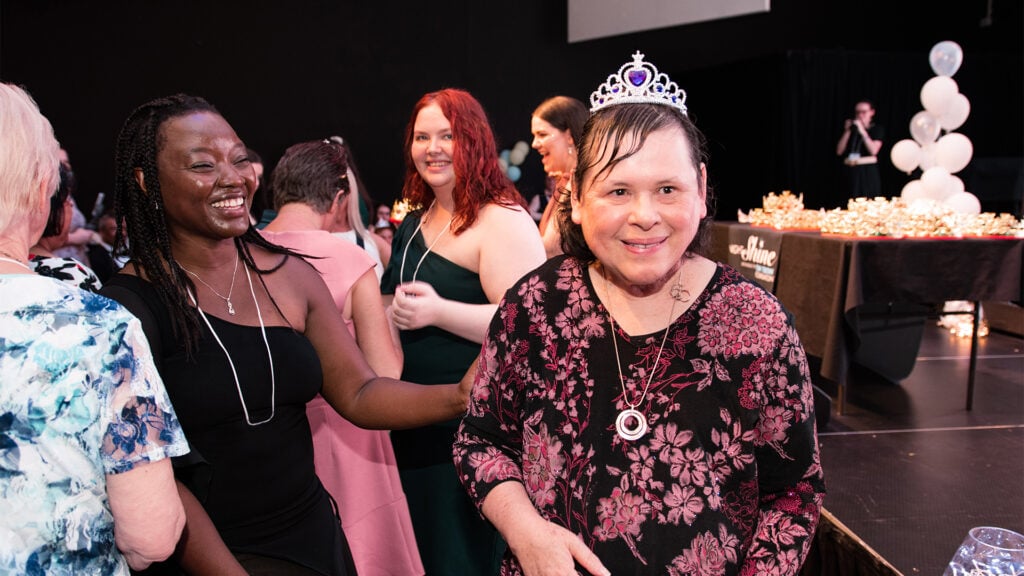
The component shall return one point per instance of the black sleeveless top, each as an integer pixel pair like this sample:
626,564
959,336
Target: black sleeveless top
257,483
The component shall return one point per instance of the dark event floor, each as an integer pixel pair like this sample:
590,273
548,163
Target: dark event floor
910,471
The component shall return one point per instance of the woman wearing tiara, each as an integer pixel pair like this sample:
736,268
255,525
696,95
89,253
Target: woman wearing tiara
640,409
244,333
452,260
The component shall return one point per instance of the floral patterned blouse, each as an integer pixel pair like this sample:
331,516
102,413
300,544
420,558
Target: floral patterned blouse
726,481
79,399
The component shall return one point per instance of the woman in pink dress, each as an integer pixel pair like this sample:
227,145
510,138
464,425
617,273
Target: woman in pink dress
357,467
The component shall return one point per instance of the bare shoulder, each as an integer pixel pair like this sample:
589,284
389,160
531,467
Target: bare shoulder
499,225
503,227
295,286
493,217
493,210
380,241
293,269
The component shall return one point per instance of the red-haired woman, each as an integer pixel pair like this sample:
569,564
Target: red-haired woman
452,261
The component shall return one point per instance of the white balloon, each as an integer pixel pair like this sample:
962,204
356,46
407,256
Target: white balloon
924,127
963,203
953,152
520,145
936,184
516,156
946,57
957,110
927,156
958,184
921,205
906,155
913,190
937,92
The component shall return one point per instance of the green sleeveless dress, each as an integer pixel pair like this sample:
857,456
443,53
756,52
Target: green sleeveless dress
452,537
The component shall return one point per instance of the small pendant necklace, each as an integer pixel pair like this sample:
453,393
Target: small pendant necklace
631,424
226,299
401,270
234,372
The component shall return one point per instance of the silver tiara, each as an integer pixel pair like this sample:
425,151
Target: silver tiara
638,82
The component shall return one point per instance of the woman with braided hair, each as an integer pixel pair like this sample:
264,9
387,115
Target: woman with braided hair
244,333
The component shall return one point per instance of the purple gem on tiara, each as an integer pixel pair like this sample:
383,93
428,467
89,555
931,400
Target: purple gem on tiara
638,82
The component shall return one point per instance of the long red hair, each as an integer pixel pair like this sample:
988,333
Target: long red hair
479,178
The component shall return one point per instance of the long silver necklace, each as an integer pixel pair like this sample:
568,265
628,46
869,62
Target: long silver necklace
226,299
234,372
631,424
8,257
18,262
401,270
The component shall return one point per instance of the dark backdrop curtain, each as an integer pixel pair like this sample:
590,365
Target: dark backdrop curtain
821,88
773,123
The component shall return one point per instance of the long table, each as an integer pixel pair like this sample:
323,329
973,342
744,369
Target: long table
827,282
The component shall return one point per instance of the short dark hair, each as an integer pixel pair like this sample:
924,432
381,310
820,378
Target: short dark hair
310,173
253,155
55,222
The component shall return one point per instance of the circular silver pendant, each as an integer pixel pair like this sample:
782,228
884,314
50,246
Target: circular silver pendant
631,424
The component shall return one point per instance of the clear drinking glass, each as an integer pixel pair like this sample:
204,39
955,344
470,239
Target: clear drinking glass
988,551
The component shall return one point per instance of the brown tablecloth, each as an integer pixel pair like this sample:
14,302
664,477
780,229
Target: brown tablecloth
822,280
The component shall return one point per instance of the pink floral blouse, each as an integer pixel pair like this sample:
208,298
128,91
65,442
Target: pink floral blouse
726,481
